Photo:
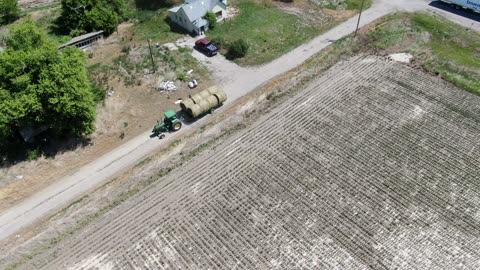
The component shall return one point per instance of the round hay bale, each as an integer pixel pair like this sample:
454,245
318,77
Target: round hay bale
204,93
196,98
213,101
219,94
195,110
212,90
185,104
204,105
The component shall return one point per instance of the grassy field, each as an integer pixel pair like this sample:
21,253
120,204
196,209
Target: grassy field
269,31
439,46
153,24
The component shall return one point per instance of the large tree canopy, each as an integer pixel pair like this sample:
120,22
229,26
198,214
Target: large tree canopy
9,11
41,86
82,16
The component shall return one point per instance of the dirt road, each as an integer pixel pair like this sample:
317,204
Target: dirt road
236,81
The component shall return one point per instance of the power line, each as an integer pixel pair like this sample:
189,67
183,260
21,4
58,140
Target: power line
359,16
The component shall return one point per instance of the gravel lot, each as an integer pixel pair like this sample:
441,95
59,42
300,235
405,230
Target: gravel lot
373,166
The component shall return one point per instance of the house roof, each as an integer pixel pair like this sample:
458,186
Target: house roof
200,22
196,9
175,9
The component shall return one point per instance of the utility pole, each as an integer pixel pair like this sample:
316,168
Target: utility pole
151,55
359,16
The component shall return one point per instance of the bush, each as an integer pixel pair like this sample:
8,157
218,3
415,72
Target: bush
182,77
212,19
237,49
219,41
34,154
9,11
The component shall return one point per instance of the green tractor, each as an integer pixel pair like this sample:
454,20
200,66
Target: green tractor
170,123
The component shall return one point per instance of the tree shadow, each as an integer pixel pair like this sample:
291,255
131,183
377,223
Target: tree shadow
460,12
14,149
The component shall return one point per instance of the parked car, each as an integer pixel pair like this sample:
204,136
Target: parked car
206,47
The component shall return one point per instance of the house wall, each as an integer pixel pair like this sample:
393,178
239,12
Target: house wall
181,19
217,9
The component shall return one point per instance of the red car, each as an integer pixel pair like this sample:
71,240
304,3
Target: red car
206,47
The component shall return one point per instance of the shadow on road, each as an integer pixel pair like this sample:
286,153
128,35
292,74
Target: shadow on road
457,11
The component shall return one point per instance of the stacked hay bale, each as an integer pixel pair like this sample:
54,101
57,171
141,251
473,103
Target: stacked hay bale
203,102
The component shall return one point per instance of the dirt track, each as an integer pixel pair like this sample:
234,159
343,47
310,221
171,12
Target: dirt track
374,165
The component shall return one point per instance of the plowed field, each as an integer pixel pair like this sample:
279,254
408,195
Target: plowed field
373,166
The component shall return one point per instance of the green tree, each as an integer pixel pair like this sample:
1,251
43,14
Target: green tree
212,19
82,16
41,86
9,11
237,49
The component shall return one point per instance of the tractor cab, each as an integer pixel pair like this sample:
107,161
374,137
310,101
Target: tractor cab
170,123
171,120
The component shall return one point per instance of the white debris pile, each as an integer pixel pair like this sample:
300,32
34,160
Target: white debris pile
168,86
400,57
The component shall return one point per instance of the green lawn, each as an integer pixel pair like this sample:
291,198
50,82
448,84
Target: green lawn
269,32
153,24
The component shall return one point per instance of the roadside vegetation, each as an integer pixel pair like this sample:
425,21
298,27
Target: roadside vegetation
438,45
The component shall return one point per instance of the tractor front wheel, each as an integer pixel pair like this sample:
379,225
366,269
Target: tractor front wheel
161,136
177,126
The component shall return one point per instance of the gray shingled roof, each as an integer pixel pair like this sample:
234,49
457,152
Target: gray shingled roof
196,9
201,22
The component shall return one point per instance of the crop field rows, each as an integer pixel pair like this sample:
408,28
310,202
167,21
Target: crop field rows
373,166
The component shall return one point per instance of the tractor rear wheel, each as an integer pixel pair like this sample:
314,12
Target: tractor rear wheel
177,126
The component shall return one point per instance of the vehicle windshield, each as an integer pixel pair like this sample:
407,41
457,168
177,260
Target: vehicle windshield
212,47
